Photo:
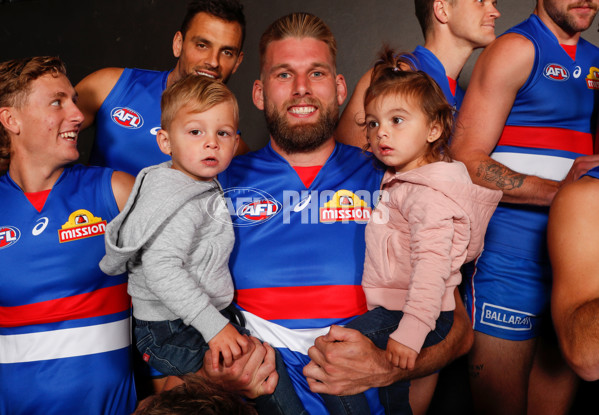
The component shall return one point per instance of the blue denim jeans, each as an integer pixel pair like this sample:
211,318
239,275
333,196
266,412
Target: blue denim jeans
377,325
174,348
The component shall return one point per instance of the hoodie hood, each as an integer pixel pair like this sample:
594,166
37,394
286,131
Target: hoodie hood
145,212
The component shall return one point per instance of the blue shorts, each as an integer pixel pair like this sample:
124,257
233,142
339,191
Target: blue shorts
507,296
174,348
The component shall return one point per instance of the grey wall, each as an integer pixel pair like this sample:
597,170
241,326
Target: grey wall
92,34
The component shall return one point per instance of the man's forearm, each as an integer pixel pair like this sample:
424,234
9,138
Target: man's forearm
516,187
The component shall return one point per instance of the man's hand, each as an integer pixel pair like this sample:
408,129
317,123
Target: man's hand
580,166
400,355
344,362
252,375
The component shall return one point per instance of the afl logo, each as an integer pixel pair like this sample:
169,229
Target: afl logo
556,72
9,235
258,211
250,206
126,117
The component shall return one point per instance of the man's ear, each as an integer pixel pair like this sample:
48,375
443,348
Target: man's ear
239,60
441,9
164,142
258,94
9,121
341,89
177,44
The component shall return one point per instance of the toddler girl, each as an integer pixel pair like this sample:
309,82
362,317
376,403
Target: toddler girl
430,219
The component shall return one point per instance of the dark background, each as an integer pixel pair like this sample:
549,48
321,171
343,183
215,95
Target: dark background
92,34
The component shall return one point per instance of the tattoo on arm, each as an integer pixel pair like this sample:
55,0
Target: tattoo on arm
501,176
475,370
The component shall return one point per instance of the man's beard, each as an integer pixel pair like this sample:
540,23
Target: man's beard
567,23
301,138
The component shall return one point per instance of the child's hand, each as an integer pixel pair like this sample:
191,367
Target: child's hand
230,344
400,355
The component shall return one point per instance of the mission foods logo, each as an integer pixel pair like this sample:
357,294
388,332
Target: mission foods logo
126,117
343,207
9,235
81,224
593,78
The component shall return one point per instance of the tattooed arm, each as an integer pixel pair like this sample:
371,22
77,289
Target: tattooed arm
491,93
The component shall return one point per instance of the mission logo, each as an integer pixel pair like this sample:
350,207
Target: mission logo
81,224
593,78
345,206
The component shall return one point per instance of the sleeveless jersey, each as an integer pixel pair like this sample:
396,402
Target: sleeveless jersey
64,325
127,122
424,60
299,252
551,123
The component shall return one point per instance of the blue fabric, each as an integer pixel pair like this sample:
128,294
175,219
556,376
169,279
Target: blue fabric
127,122
594,172
37,267
507,296
427,62
286,244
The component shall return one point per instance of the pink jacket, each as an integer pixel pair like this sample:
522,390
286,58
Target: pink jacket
429,221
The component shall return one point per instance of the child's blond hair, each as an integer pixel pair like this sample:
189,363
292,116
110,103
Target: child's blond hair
199,93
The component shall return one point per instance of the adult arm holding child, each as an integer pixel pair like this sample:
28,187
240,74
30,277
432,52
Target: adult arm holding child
344,362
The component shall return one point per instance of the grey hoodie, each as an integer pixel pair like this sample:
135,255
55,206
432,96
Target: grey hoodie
174,237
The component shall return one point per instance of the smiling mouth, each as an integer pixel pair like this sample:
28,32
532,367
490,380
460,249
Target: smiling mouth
69,135
206,74
303,110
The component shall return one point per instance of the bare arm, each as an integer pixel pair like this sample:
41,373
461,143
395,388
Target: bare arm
344,362
573,239
488,101
93,90
348,131
122,183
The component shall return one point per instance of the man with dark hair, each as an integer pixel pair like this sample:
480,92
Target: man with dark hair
300,208
452,30
125,103
64,325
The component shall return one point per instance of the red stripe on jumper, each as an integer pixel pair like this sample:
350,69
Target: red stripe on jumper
547,137
323,301
100,302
